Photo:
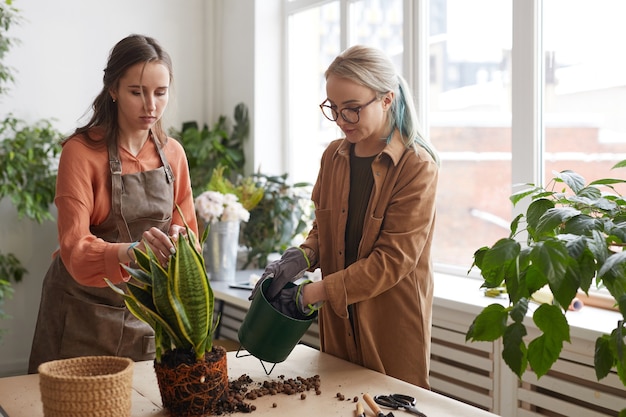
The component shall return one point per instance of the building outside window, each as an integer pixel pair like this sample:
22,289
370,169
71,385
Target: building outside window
581,88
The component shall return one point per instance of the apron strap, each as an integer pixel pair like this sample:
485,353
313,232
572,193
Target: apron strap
169,175
117,185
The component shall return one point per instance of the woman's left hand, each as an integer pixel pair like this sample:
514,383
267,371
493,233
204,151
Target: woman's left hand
160,243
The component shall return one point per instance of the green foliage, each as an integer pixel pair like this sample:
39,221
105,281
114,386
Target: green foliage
176,302
282,214
575,235
246,190
10,268
207,149
9,16
28,156
6,292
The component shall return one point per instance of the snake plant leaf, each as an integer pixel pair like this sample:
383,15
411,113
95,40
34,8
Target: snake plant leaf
144,311
142,294
142,258
190,286
132,304
165,307
176,302
139,274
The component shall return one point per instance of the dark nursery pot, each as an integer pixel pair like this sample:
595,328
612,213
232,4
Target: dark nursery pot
192,389
268,334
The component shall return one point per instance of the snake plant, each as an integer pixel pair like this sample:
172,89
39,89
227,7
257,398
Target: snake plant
176,302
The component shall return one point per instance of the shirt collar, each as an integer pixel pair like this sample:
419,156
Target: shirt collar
395,148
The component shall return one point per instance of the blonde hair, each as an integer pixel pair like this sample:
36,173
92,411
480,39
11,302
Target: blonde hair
371,68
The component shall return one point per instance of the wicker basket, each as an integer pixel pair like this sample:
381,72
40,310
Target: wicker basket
94,386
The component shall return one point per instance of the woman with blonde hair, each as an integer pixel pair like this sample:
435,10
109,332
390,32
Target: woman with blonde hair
373,229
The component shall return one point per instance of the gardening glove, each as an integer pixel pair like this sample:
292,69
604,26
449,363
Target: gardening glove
290,267
289,302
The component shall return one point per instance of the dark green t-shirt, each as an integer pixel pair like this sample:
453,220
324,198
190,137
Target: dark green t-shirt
361,183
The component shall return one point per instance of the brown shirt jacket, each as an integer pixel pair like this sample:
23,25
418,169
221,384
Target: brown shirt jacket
391,284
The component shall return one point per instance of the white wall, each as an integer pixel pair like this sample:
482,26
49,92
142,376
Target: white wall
224,52
63,49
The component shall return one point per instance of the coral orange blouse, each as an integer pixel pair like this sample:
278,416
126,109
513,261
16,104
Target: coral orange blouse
83,198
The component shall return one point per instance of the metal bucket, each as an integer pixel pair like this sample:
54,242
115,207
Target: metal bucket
220,251
268,334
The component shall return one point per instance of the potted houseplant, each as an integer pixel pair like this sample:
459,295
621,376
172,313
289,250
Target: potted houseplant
284,212
177,303
575,238
225,204
209,148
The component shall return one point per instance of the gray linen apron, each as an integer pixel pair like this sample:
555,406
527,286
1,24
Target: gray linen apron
76,320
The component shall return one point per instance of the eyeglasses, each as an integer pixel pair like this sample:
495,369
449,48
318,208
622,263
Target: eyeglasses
349,114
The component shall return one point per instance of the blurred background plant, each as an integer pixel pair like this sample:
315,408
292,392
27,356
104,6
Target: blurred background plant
220,146
279,211
284,212
28,156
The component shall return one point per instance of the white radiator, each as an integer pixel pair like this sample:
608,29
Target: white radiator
463,371
571,388
474,372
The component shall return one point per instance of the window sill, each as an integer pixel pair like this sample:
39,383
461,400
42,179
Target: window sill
465,295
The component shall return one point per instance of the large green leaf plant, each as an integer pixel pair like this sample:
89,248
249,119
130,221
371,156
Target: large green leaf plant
571,238
177,301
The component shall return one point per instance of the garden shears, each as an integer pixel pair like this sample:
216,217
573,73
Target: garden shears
399,401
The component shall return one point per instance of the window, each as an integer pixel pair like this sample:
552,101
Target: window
584,88
495,120
470,124
315,38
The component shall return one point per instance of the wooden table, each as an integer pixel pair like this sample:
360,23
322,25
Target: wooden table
20,396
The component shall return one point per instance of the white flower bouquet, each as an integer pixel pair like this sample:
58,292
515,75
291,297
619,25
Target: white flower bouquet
213,206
